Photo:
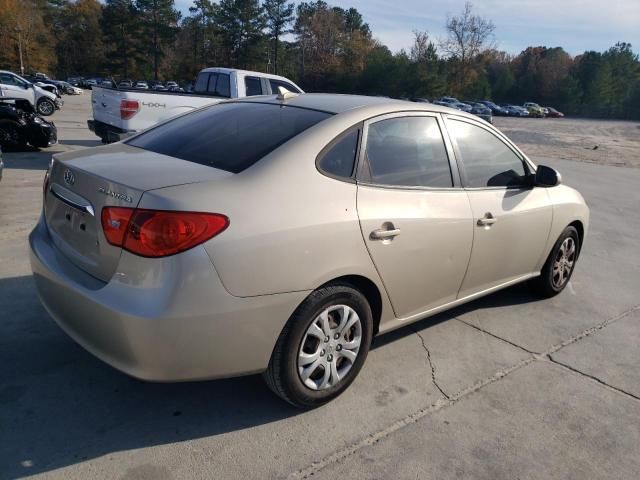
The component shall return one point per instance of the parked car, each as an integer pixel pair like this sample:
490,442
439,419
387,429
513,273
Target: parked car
120,114
171,84
106,84
553,113
73,90
141,85
21,125
496,109
159,87
482,111
14,86
91,83
178,255
516,111
534,109
465,107
125,84
49,88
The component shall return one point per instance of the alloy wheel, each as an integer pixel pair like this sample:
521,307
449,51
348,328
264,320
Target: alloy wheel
563,265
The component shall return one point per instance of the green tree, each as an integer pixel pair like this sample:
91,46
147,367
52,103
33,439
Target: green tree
278,14
122,37
79,38
159,21
240,23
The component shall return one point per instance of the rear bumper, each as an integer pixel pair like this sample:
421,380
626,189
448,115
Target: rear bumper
108,133
166,319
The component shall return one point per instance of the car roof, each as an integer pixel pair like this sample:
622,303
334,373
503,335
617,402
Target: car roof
339,103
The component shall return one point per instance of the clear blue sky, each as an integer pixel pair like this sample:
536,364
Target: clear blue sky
576,25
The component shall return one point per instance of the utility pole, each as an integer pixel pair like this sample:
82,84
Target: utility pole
19,33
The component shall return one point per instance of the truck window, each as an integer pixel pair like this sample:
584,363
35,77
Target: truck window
253,86
213,83
278,83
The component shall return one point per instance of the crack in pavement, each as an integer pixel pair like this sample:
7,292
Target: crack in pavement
496,336
414,417
592,377
431,365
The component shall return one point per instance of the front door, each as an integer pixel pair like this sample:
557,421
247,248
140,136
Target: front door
511,218
415,218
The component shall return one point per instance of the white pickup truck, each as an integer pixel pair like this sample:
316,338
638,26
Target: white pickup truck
118,113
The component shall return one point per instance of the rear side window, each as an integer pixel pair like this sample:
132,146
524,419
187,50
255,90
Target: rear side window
229,136
407,151
277,83
253,86
338,159
213,83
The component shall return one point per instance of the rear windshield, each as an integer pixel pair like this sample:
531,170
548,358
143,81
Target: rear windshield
230,136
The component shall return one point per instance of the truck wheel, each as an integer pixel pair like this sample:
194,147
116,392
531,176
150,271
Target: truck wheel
45,107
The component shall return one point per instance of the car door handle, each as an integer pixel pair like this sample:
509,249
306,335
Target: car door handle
384,234
488,219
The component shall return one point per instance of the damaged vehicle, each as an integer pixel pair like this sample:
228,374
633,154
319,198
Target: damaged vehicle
20,126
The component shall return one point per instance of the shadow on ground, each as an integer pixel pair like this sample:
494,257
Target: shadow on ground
60,406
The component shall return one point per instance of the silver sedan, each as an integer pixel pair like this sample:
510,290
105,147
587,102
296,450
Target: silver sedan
279,235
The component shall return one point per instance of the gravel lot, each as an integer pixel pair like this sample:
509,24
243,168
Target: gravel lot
502,388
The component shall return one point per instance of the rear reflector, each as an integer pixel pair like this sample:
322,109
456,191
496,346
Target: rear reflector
128,108
159,233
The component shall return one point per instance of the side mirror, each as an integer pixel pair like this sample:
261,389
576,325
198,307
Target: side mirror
547,177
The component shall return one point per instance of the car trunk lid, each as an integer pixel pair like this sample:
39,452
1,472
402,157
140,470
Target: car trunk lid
82,183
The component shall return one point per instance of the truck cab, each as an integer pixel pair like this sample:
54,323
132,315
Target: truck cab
121,113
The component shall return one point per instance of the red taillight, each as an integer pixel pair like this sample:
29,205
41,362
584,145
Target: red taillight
128,108
159,233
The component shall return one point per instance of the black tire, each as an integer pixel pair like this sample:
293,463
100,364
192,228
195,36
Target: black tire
282,373
10,136
548,284
46,107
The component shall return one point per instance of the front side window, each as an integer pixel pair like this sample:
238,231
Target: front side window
407,151
487,160
253,86
228,136
8,79
340,157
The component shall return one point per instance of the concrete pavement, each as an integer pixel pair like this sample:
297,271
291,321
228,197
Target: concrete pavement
509,386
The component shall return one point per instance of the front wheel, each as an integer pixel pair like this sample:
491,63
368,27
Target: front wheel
10,136
322,348
46,107
558,268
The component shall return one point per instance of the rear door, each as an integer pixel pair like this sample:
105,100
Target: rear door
511,218
415,217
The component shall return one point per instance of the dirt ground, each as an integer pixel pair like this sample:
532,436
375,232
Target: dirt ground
606,142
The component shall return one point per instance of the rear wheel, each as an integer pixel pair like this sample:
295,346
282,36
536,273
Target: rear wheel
322,348
558,268
46,107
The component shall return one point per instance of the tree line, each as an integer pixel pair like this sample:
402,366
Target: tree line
320,46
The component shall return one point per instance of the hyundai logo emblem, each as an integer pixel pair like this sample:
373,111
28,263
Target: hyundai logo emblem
69,177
